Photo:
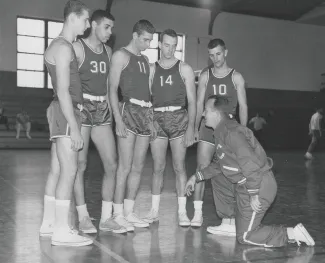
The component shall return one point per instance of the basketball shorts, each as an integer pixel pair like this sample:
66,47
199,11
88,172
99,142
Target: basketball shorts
99,113
315,133
137,119
171,124
206,134
58,125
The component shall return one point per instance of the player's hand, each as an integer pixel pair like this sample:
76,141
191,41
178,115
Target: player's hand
196,136
255,204
188,138
189,187
76,140
154,131
121,130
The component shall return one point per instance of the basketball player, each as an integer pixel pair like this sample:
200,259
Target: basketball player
130,70
93,59
64,117
224,81
172,82
242,161
315,132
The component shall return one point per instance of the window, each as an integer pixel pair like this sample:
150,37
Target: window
33,37
153,52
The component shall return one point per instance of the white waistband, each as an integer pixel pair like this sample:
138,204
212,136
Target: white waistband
169,108
141,103
94,98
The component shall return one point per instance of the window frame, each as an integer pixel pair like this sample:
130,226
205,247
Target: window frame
46,38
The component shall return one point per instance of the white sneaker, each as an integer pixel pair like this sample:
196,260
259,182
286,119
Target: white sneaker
86,226
183,220
151,217
119,219
302,235
111,225
227,228
69,238
197,220
46,229
309,156
136,221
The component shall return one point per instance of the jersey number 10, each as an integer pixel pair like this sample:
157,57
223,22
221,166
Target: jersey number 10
222,89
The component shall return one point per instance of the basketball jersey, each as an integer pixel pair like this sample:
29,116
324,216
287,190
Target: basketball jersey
134,80
75,89
168,87
222,86
94,70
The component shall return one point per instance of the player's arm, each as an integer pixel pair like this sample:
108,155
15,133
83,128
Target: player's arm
189,79
152,73
63,58
200,98
119,60
80,54
109,53
241,95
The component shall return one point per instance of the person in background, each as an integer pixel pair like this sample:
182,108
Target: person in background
315,132
3,118
23,121
258,123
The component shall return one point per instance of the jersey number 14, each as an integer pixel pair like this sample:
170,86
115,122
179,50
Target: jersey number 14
167,81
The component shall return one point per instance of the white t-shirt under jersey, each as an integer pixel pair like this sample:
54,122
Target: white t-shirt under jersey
315,121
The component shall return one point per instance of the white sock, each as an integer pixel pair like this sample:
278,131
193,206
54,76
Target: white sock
198,206
118,209
128,206
107,208
82,211
155,202
181,204
49,209
62,214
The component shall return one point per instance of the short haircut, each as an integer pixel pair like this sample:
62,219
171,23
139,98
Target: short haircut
168,32
74,6
216,42
320,110
143,26
99,14
221,103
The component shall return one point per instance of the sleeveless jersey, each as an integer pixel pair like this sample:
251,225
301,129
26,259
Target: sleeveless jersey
94,70
222,86
75,83
168,87
134,80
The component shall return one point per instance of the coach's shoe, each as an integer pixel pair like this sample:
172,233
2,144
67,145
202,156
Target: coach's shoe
46,229
151,217
136,221
70,238
300,234
120,220
197,219
227,228
86,226
183,219
110,225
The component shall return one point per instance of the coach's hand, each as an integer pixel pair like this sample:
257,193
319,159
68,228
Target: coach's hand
76,140
188,138
255,204
121,130
189,187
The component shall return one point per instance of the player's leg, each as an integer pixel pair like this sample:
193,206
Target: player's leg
18,128
312,145
104,141
85,224
205,152
28,128
68,159
49,196
125,147
158,150
178,156
133,181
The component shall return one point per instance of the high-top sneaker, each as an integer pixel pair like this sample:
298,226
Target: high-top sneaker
227,228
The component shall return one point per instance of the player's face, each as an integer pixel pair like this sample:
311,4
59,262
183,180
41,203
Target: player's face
81,22
211,115
218,56
103,30
142,41
168,46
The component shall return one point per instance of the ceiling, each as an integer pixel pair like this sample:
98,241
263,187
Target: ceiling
278,9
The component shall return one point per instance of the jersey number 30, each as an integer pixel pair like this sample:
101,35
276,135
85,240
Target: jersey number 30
95,68
221,91
168,80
